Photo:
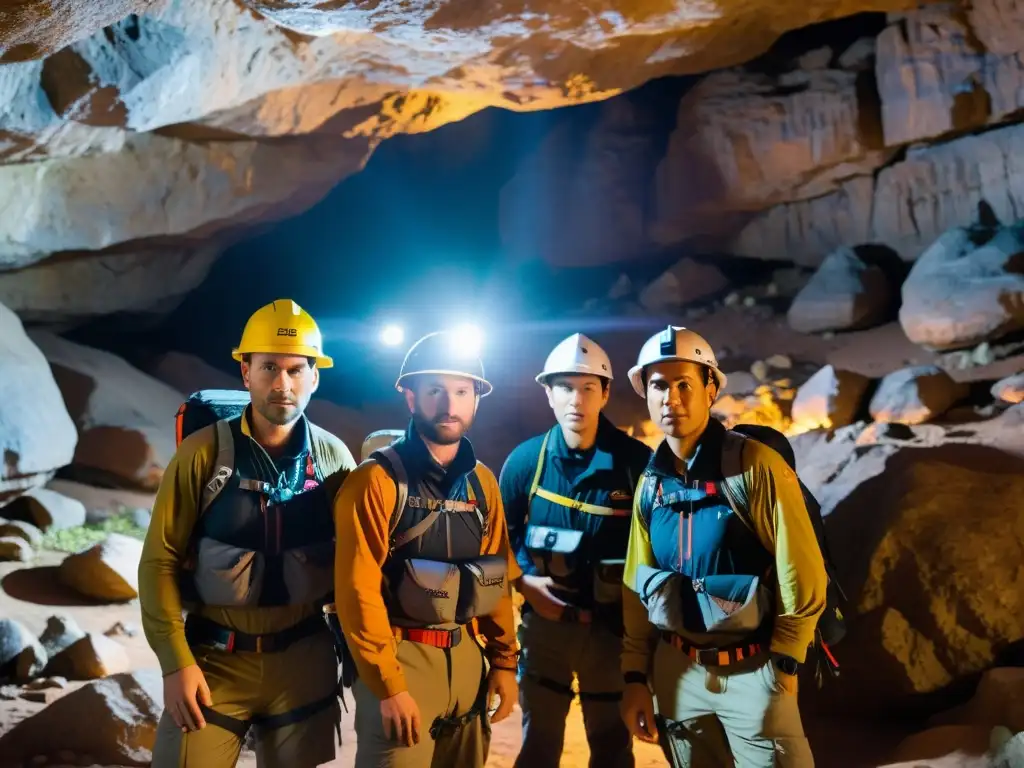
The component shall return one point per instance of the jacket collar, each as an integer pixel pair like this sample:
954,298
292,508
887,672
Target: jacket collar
600,458
706,460
298,441
425,464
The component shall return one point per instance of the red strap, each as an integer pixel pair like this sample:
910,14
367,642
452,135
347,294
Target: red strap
439,638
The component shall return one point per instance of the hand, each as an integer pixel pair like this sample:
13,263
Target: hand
183,690
503,683
537,592
637,710
401,717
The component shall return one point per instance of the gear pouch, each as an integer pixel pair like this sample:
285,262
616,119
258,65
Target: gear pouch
737,604
428,592
662,595
228,576
308,572
482,584
608,581
554,551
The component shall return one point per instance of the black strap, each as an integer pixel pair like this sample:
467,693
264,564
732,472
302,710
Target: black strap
240,727
481,500
551,685
200,630
608,696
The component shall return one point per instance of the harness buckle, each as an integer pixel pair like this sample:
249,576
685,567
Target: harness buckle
226,644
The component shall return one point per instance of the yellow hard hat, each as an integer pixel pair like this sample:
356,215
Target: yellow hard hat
282,327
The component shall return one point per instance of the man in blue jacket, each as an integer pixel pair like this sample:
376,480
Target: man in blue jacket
568,496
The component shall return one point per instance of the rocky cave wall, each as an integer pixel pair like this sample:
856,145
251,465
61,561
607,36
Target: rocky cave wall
139,139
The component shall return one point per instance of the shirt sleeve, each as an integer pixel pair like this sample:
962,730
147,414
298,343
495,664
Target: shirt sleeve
640,635
498,627
781,522
514,484
362,518
174,516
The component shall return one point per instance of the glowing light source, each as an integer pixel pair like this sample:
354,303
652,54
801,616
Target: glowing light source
468,339
392,335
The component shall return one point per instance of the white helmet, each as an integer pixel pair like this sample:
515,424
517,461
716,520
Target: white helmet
576,354
675,343
382,438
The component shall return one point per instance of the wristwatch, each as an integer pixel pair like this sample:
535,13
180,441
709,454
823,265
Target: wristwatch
786,664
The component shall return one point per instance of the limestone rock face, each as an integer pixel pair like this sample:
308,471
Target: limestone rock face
941,69
155,186
37,435
746,141
939,187
806,231
142,282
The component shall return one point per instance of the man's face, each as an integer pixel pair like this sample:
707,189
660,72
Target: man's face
576,399
280,385
443,407
678,400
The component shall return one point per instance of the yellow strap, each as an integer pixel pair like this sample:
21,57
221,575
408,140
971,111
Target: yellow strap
582,506
540,466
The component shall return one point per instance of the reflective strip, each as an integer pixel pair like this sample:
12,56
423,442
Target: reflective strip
582,506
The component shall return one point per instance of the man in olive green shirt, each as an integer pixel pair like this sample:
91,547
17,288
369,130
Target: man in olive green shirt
720,605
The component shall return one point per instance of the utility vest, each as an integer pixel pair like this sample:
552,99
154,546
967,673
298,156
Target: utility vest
561,538
434,574
261,540
714,581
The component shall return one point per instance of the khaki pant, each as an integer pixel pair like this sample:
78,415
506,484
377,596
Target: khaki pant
761,724
552,652
444,683
244,685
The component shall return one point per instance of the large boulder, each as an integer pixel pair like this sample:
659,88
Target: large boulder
113,720
967,288
106,571
125,418
915,395
849,291
47,510
926,532
37,436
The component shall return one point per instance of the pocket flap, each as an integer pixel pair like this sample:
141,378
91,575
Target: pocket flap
488,570
561,541
434,576
320,554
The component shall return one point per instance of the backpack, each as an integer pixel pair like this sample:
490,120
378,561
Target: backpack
831,624
217,407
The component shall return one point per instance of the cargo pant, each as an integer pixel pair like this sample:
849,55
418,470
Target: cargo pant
445,683
552,651
244,685
721,716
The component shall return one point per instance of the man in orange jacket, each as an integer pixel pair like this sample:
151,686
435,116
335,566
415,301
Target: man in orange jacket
422,555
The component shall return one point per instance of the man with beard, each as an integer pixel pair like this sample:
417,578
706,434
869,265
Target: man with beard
422,566
568,495
241,539
724,579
